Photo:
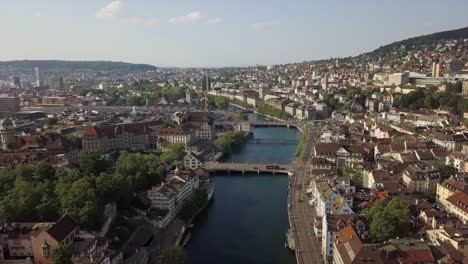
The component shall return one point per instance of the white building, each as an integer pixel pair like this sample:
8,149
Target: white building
330,225
323,197
397,79
171,194
193,162
457,160
176,134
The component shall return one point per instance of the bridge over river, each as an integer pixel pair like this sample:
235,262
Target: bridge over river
248,167
272,141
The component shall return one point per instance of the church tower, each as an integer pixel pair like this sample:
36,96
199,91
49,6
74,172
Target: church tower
7,134
188,96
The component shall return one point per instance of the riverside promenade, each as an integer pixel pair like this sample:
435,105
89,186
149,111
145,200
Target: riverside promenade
300,214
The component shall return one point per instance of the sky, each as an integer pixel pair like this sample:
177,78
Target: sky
215,33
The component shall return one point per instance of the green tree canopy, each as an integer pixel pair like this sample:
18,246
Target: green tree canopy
389,220
61,255
140,170
269,110
92,163
173,153
191,207
222,103
225,142
173,93
79,199
430,98
241,116
173,255
27,197
444,169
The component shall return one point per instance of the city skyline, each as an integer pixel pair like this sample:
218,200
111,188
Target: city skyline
211,34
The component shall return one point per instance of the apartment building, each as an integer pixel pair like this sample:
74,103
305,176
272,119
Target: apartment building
177,134
168,198
133,136
193,161
420,177
457,204
340,155
9,104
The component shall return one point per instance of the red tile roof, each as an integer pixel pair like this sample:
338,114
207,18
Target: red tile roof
459,200
178,130
327,147
114,130
416,256
348,243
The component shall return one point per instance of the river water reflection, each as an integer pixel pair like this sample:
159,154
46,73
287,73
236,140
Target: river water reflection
247,220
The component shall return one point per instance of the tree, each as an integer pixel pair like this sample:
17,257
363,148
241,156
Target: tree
133,167
79,199
240,116
172,153
173,93
194,204
389,220
444,170
267,109
173,255
44,171
7,180
429,102
135,101
142,170
222,103
300,146
20,202
430,194
228,140
353,175
25,171
61,255
92,163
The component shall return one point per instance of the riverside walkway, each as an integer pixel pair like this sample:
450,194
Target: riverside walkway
247,167
300,213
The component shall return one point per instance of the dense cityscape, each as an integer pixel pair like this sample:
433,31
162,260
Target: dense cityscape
346,160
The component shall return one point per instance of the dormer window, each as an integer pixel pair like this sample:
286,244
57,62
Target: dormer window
45,250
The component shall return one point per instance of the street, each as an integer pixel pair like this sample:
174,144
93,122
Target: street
301,214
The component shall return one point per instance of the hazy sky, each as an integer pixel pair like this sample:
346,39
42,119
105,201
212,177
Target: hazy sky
215,32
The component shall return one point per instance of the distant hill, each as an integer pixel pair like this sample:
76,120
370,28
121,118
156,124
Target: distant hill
59,66
420,41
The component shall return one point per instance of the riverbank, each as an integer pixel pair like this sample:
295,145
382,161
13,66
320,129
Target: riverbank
256,112
185,236
299,148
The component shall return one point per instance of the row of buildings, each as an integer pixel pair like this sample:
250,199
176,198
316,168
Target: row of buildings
362,160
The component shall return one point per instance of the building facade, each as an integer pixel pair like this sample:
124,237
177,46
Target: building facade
9,104
102,139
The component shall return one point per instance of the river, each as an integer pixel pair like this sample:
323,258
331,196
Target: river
247,219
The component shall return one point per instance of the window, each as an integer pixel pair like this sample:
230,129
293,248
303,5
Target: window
45,250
